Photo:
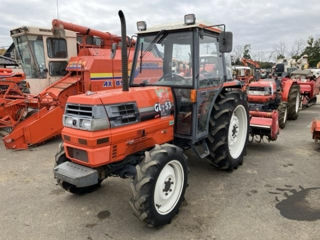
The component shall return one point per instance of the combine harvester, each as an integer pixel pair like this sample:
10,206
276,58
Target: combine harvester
97,67
43,58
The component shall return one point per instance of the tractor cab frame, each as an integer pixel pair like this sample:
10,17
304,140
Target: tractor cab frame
190,61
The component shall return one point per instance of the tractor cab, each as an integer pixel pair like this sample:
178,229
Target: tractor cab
43,56
188,58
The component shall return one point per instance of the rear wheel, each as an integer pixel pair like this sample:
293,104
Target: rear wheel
294,102
60,158
283,114
228,130
159,186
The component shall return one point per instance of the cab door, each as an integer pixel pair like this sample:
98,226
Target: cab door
208,82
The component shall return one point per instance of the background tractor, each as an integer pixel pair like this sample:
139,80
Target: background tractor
309,86
271,102
140,132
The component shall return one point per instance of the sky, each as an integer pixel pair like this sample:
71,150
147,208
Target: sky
264,24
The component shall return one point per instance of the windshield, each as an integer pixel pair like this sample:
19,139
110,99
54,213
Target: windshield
164,59
30,50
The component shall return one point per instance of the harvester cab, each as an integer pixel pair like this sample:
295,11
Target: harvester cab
181,95
44,56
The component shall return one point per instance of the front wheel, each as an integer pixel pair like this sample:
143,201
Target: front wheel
159,186
228,130
283,113
294,102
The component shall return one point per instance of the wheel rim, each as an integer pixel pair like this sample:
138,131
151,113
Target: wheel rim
168,187
237,133
297,102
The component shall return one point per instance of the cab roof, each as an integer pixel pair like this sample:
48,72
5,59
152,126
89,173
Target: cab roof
37,31
178,26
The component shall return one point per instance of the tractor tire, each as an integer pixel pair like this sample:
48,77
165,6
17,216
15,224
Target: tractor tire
60,158
283,114
294,102
228,130
159,185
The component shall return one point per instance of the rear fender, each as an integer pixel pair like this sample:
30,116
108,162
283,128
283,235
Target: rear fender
286,86
227,86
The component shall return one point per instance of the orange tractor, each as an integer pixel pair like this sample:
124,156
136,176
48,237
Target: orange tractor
97,67
140,131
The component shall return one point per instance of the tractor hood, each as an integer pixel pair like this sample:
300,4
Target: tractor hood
264,83
159,98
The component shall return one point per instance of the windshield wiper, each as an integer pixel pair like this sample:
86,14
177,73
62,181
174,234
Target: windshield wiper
160,35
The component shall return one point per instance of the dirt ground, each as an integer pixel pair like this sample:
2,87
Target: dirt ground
275,194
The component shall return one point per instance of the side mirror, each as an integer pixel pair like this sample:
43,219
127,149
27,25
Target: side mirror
225,42
113,50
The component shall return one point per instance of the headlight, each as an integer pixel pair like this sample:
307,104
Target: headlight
99,124
265,92
67,121
88,124
85,124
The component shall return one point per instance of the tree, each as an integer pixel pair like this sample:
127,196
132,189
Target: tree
297,49
237,53
246,51
280,50
313,51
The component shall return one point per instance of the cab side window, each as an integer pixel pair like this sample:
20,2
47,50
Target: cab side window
57,48
210,62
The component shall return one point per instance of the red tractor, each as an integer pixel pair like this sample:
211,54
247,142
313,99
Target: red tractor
141,131
309,86
271,103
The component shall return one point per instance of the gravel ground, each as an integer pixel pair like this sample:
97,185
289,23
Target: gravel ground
275,194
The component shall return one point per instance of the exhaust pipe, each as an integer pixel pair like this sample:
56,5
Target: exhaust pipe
124,56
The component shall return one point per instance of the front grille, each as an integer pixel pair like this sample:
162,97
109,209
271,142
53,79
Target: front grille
78,154
122,114
256,88
79,110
